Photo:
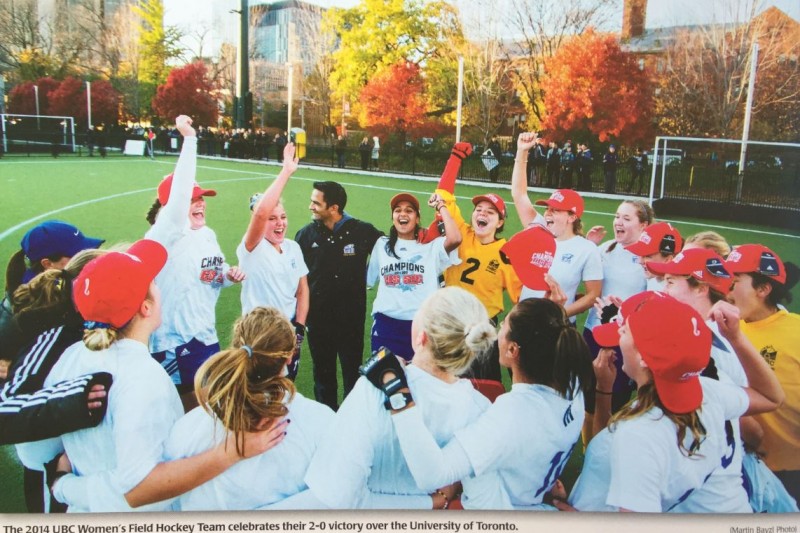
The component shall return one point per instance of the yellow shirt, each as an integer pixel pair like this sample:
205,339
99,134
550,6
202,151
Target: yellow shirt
777,338
483,271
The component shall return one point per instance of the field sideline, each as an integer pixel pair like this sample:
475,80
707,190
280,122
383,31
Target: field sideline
108,198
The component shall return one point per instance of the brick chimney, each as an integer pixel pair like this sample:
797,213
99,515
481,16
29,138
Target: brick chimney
633,17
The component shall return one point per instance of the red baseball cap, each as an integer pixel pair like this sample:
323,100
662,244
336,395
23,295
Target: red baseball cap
493,199
166,184
749,258
564,200
701,263
111,287
531,253
674,342
404,197
660,237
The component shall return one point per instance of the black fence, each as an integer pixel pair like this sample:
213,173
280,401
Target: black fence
769,186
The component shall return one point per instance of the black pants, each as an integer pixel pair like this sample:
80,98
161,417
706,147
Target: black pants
327,340
33,485
790,480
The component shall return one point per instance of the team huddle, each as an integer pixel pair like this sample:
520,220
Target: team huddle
682,386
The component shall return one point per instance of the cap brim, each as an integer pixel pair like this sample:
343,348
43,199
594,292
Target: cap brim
198,191
661,268
680,397
641,249
88,243
152,254
404,197
542,202
606,335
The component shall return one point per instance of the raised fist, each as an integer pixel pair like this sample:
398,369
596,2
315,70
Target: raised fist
462,150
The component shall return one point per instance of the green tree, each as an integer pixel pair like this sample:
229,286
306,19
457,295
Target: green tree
376,34
157,45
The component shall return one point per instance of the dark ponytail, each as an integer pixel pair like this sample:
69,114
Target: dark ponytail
552,352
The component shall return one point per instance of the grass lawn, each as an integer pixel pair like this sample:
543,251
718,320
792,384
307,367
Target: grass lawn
108,198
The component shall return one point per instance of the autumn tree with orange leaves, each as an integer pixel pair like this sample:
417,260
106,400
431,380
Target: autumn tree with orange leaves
393,103
594,86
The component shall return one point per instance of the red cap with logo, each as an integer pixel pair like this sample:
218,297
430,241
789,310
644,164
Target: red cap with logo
166,184
658,237
564,200
750,258
701,263
674,342
110,288
493,199
531,253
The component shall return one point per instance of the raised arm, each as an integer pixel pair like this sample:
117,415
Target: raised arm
174,214
519,182
452,236
268,202
764,391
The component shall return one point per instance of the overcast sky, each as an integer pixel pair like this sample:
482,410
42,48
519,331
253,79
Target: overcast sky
189,15
659,12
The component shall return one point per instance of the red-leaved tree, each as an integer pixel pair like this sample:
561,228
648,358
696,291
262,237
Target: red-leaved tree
592,85
187,92
70,99
393,102
22,98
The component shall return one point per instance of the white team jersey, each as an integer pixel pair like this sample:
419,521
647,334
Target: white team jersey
190,283
112,458
639,466
576,260
623,276
261,480
360,457
272,276
724,491
725,357
527,435
404,283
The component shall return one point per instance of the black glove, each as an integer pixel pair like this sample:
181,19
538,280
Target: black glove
51,475
99,378
375,369
299,335
608,314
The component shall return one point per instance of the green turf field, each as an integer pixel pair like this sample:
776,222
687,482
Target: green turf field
108,198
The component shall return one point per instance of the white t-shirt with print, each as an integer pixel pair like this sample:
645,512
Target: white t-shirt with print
405,281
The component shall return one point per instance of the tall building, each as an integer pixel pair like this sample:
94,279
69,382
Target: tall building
285,32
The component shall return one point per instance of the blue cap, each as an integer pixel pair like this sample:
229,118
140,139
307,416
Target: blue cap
55,238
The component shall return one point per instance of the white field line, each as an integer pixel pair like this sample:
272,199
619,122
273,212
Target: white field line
259,175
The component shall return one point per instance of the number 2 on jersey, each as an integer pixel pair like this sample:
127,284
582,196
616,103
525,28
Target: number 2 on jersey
476,264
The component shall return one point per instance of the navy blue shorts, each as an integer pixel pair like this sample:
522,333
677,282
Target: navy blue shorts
182,363
393,334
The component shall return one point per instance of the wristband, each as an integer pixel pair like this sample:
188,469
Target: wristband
598,391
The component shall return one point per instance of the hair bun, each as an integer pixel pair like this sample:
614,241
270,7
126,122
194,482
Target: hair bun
479,336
